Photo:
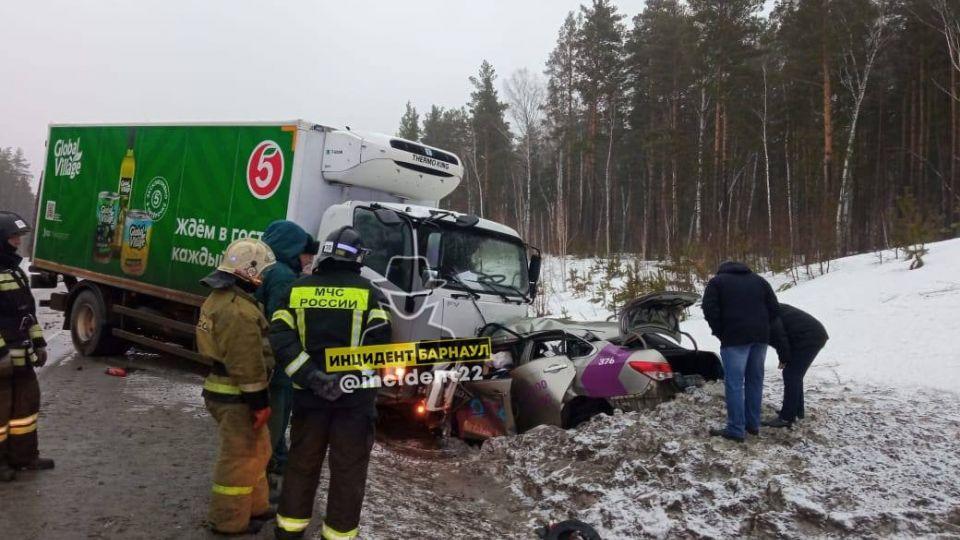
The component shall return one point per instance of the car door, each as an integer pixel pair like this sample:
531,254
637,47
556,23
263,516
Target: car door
539,385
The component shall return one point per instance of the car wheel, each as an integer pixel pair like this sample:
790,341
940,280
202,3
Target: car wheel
581,409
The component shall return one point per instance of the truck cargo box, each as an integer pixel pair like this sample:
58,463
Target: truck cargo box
150,208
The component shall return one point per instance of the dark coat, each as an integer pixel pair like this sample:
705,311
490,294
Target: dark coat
314,318
18,309
287,240
796,330
739,305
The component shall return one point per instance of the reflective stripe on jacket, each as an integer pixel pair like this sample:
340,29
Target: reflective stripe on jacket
233,331
18,308
334,307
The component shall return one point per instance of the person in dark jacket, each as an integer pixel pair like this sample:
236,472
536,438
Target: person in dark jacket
294,248
22,349
740,306
333,307
797,337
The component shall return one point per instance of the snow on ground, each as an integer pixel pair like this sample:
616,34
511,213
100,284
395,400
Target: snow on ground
877,454
864,462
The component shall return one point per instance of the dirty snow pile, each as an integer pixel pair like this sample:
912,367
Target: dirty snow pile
863,462
877,454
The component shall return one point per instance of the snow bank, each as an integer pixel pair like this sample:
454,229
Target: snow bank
888,325
877,454
861,464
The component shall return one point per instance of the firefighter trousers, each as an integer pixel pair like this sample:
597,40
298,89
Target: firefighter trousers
348,433
240,488
19,406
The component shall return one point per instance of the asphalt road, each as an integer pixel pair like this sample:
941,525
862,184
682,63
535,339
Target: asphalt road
134,458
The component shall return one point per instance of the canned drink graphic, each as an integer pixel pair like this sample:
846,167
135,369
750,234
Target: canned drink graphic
108,212
135,252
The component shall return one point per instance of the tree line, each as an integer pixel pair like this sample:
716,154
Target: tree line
16,194
704,127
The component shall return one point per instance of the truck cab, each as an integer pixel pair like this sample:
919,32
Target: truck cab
446,274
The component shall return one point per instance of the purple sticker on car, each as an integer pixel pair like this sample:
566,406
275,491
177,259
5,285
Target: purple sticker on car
601,378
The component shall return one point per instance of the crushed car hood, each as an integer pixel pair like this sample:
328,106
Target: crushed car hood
529,325
656,313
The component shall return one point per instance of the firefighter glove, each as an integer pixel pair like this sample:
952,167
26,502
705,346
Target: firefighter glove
41,356
325,385
260,417
5,360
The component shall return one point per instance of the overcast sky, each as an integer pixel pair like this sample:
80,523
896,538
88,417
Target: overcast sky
352,62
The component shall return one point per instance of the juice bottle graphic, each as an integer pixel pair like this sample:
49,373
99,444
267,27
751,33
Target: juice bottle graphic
108,204
125,187
137,230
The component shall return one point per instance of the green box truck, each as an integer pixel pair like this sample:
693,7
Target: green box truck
133,216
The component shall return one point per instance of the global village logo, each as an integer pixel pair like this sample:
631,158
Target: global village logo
67,156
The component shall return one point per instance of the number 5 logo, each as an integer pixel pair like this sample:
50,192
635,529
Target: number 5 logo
265,170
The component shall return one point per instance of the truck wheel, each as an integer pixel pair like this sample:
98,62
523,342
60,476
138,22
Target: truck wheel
89,329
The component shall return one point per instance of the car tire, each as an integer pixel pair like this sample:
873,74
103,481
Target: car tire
580,410
566,530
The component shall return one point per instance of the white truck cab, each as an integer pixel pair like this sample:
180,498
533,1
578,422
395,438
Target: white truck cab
446,273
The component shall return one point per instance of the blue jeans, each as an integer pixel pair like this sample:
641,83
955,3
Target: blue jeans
743,385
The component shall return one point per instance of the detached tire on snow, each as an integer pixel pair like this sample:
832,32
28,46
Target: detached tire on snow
89,326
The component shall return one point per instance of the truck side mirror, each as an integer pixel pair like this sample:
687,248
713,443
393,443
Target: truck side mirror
533,273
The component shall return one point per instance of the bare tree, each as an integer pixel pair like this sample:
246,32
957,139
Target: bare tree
855,76
786,160
950,29
526,94
606,180
696,222
766,162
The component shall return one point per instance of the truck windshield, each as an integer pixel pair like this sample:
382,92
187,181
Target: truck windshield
479,260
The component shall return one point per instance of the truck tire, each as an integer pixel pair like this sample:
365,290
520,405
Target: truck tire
89,328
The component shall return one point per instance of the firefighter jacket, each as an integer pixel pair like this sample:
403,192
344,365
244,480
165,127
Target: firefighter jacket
18,312
233,332
333,307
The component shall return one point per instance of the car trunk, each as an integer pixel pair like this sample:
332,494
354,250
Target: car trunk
655,313
651,319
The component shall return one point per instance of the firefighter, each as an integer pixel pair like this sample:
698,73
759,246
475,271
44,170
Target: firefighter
340,308
232,331
22,348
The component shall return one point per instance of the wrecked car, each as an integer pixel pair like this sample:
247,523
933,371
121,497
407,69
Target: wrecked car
561,372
